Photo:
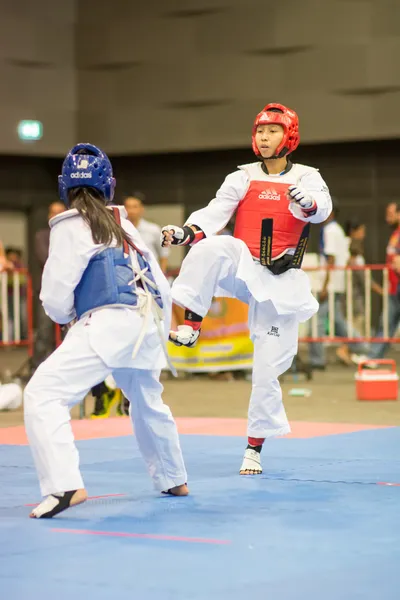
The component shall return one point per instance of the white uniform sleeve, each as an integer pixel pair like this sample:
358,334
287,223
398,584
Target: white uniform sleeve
213,218
317,188
69,255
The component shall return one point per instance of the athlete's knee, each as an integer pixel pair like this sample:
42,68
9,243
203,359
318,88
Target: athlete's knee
217,244
206,247
268,372
43,385
31,395
285,365
225,249
265,375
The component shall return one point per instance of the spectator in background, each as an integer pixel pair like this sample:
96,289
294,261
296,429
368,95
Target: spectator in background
4,263
355,231
150,232
393,261
334,251
42,237
14,258
45,336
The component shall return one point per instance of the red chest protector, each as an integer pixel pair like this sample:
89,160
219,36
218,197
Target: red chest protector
267,200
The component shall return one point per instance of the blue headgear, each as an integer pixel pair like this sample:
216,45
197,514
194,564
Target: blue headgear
91,168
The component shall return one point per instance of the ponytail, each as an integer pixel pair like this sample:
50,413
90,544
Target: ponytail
90,205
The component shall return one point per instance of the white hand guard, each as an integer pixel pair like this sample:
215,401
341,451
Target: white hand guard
185,336
181,236
302,198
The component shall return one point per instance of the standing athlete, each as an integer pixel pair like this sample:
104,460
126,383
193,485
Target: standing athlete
101,275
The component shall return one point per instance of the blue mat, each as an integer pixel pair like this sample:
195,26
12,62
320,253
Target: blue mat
314,525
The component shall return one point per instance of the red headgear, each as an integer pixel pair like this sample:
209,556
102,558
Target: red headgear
290,123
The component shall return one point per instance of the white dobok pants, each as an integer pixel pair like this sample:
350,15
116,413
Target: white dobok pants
223,266
92,349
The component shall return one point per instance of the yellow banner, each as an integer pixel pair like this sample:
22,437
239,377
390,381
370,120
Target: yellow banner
224,343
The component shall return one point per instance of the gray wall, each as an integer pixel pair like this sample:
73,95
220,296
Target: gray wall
191,74
180,75
37,74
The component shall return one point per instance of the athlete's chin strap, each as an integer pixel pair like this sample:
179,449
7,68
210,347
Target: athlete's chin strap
264,167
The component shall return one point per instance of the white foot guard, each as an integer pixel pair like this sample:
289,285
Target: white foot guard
185,336
251,464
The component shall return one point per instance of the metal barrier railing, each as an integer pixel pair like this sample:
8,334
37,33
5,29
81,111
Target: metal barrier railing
349,306
16,309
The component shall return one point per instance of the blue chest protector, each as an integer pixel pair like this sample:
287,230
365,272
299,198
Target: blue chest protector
108,281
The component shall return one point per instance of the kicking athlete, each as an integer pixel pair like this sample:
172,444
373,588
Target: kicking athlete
274,201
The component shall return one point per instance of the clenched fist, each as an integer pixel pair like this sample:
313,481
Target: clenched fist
172,235
302,198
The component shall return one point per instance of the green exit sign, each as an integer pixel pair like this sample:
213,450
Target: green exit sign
30,130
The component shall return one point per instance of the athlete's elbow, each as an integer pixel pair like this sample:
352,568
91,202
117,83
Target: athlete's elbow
57,311
320,216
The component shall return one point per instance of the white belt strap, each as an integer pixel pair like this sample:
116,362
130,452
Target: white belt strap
147,305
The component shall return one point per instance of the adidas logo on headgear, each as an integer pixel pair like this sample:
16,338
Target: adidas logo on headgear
81,175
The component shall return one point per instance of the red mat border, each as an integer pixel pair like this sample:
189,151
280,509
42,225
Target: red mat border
88,429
